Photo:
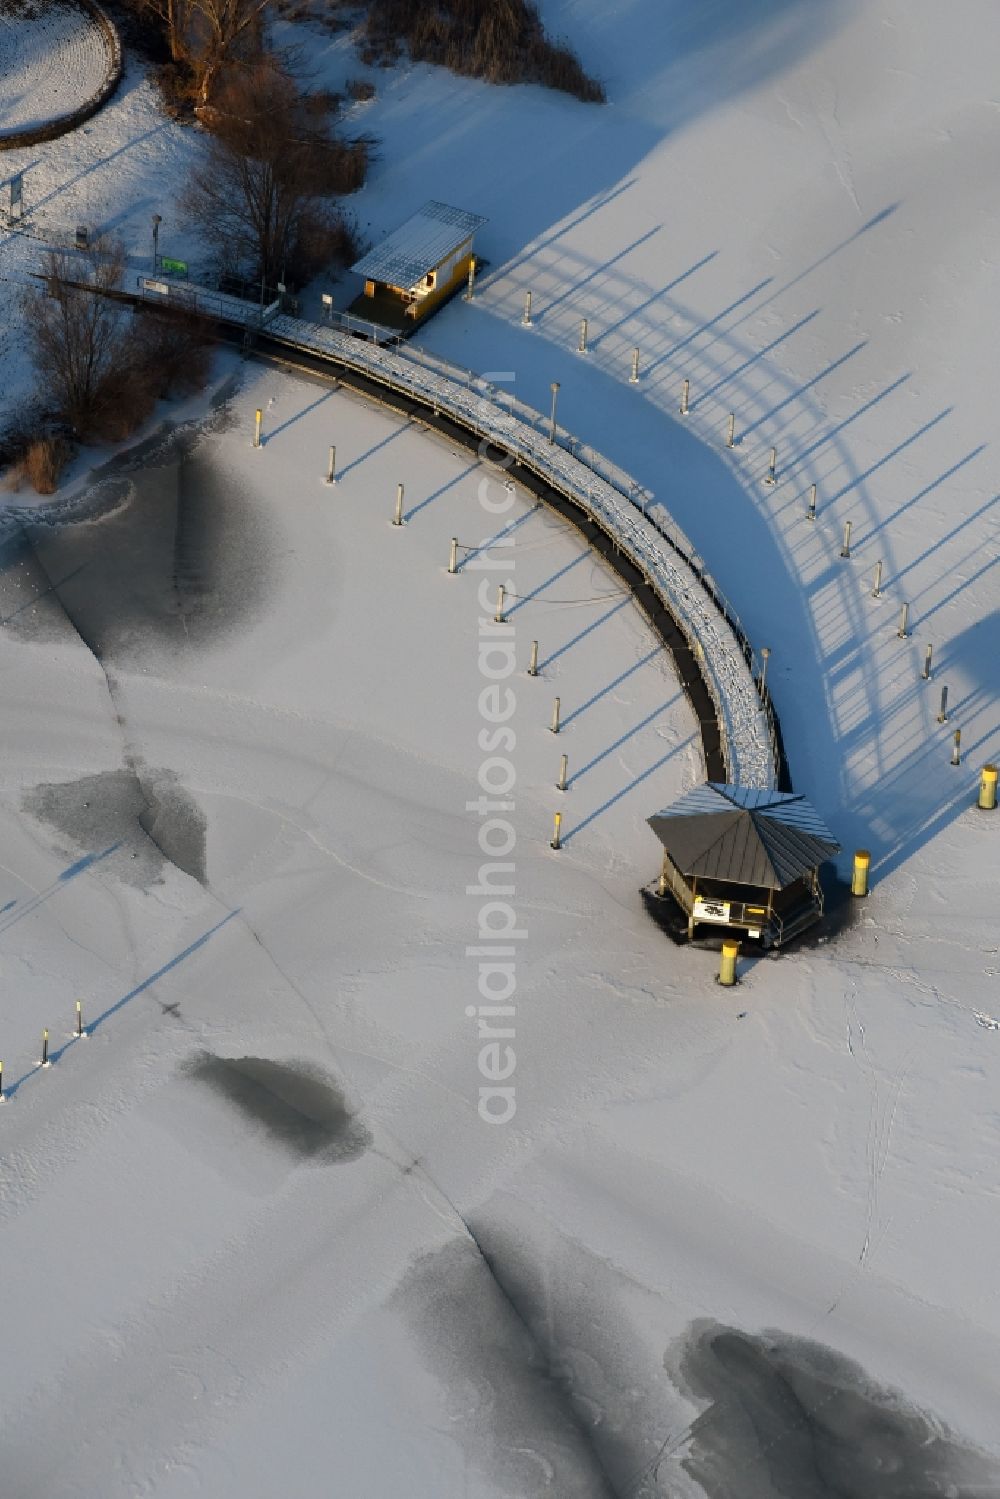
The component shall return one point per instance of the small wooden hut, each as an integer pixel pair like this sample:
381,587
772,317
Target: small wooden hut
746,859
416,267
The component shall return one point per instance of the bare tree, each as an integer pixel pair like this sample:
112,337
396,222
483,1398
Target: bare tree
502,41
173,17
223,31
76,332
272,163
205,36
101,368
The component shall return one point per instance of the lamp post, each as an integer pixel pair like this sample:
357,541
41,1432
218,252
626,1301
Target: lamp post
554,387
157,221
766,654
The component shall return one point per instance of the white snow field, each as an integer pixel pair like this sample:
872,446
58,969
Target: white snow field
257,1237
53,58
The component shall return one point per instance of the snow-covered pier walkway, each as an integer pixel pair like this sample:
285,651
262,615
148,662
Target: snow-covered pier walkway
746,750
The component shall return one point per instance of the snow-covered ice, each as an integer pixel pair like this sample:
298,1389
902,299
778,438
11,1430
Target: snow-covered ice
721,1229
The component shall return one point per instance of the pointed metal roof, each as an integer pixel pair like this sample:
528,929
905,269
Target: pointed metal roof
429,236
744,835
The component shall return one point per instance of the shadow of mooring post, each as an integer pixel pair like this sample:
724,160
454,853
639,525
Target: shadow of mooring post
589,629
147,983
836,431
575,287
171,963
526,598
755,358
638,780
563,230
801,390
492,541
900,447
375,448
873,222
624,738
444,488
654,297
941,541
80,866
712,322
291,420
967,582
622,677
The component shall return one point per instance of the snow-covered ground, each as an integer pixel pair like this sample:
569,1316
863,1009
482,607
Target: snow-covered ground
53,58
719,1230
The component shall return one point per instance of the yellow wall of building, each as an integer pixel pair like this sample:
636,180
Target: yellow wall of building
443,289
420,306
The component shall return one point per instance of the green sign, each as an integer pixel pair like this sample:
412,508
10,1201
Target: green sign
178,267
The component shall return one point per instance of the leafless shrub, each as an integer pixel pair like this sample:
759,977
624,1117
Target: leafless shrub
176,346
558,67
272,164
502,41
203,38
322,239
332,22
167,353
125,401
77,332
326,102
43,462
360,89
101,369
178,89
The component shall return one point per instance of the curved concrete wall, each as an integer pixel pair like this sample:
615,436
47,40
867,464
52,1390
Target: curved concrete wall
63,124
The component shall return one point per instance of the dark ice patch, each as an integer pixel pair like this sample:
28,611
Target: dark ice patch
174,822
513,1421
148,812
300,1109
166,551
792,1419
593,1357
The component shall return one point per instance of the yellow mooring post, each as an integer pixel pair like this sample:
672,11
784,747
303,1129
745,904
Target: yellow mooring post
556,830
988,788
258,422
727,965
859,879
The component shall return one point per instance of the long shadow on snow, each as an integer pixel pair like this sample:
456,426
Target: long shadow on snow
683,60
753,561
